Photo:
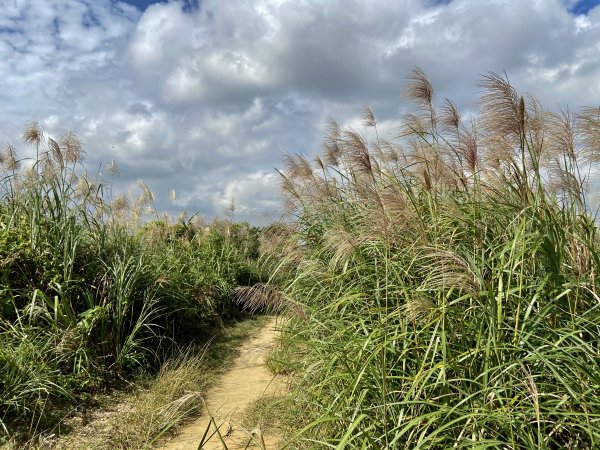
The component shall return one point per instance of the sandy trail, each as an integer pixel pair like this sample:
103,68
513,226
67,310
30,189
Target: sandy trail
247,381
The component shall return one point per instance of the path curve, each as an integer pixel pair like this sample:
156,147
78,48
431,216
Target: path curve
247,381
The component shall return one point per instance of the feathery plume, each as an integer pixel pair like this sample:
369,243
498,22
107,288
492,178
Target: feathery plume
331,144
120,204
260,297
298,167
357,151
56,152
8,158
86,187
588,126
33,134
341,244
418,309
72,148
368,117
450,117
419,88
470,151
146,197
414,125
502,110
49,168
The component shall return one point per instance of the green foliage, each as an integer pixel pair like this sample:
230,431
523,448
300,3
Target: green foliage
86,298
445,288
29,371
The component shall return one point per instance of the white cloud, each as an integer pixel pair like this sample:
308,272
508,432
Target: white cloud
207,101
157,34
254,195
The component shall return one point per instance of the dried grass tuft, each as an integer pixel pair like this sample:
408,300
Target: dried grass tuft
8,158
588,125
331,144
419,88
33,134
259,298
502,110
72,148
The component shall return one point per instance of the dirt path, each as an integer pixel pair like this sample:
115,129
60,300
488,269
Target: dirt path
248,380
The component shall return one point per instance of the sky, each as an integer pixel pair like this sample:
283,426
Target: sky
205,97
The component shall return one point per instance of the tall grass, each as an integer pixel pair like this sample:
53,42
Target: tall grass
443,285
90,290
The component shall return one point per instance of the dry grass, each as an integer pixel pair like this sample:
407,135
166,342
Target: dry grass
136,422
259,298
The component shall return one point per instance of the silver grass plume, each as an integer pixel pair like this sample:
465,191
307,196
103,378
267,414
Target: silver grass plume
72,148
33,134
8,159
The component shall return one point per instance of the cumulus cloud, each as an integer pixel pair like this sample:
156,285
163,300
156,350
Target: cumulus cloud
252,195
204,100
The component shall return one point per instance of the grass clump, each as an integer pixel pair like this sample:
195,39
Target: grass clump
443,285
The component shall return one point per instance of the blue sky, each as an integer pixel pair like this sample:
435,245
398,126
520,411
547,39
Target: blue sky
577,7
143,4
205,100
583,6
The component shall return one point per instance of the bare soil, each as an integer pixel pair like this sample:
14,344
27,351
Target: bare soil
247,381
